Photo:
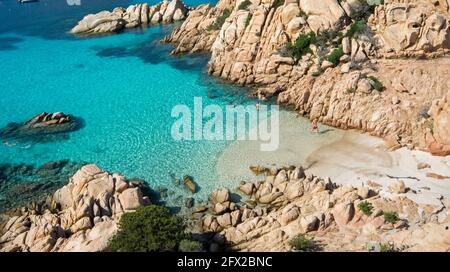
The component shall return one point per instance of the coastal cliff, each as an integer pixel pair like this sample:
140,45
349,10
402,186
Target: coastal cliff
378,68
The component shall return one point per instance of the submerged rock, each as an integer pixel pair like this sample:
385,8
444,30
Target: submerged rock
190,184
40,125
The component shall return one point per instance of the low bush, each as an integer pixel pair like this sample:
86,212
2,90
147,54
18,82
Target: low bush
335,56
356,28
220,20
365,207
150,228
277,3
376,83
187,245
302,243
390,217
301,46
244,4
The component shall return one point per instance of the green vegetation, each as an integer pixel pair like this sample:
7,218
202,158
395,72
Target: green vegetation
277,3
335,56
376,83
317,73
301,46
190,246
355,28
389,247
249,18
150,228
351,90
302,14
244,4
390,217
220,20
365,207
302,243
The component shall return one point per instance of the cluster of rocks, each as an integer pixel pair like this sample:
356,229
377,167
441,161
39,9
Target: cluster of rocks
21,184
41,124
81,216
291,202
133,16
360,91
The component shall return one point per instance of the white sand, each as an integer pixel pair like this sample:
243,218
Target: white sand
345,156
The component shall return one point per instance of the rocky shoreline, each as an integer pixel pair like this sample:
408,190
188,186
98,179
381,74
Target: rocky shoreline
80,216
344,76
261,216
131,17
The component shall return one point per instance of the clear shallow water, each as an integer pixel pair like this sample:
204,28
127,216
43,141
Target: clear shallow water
124,87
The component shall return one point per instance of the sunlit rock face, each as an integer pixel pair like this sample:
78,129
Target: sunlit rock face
412,28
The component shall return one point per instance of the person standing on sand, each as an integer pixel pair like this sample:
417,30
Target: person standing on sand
315,127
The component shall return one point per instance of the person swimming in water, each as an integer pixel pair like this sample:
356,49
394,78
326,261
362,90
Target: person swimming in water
315,127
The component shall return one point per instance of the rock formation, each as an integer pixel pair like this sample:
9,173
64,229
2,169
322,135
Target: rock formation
41,124
291,202
133,16
80,216
360,71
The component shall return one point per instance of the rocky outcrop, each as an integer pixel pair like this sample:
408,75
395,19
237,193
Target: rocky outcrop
412,28
80,216
41,124
292,202
367,86
133,16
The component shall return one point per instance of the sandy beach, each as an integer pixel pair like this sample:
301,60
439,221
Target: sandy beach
347,157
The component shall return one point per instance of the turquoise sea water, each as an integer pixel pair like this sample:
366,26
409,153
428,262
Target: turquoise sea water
124,87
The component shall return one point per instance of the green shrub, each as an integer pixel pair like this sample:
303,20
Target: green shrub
187,245
390,217
365,207
301,46
244,4
277,3
376,83
335,56
150,228
317,73
249,18
301,242
389,247
302,14
356,28
220,20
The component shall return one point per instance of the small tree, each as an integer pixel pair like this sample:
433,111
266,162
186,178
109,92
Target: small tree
150,228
